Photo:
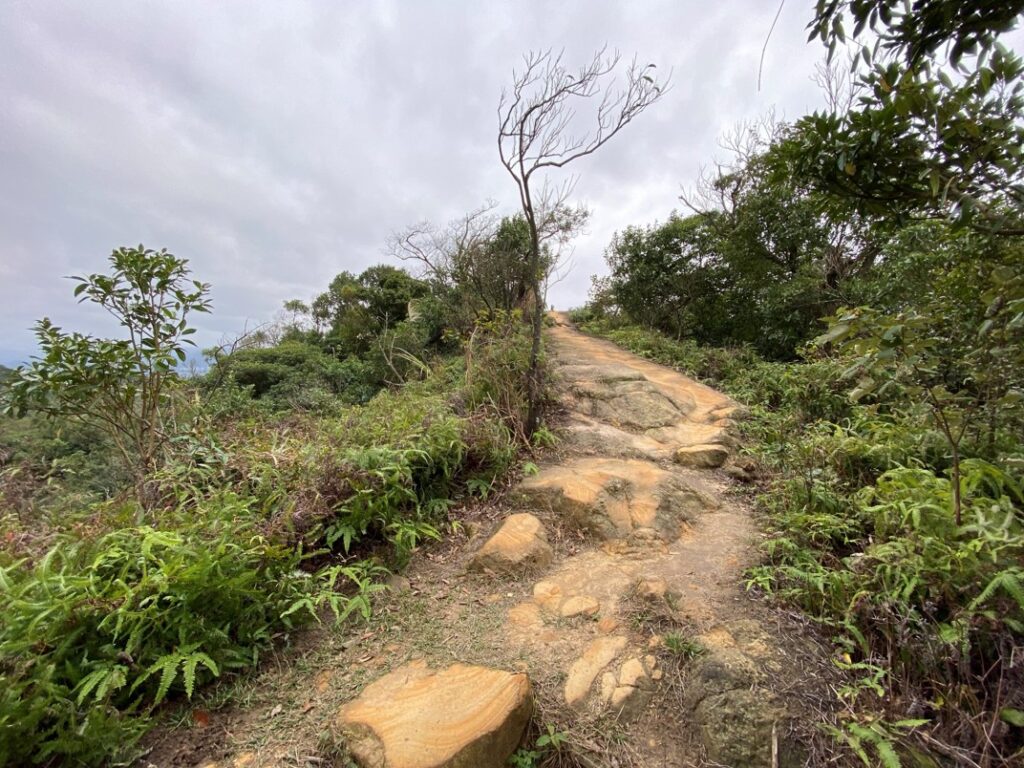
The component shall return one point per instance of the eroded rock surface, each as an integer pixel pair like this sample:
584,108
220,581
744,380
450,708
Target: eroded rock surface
618,498
641,439
416,717
584,671
519,545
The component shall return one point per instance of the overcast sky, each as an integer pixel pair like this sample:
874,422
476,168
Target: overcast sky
276,144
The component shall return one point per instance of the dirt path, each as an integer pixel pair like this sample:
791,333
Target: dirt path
612,577
672,639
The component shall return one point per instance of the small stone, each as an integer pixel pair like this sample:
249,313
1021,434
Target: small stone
608,686
702,456
579,605
738,473
525,615
645,534
607,625
416,717
244,760
598,655
654,589
632,672
620,698
548,595
520,544
633,691
399,584
747,463
323,680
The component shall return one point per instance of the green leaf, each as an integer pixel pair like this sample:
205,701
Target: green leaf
835,332
1014,717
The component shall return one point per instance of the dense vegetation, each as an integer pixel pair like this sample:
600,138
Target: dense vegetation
857,279
158,532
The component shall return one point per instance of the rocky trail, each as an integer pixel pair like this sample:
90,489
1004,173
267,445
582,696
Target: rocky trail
603,596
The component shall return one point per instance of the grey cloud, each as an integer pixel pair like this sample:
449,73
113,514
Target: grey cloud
277,144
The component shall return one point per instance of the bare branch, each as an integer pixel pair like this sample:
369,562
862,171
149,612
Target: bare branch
539,130
439,250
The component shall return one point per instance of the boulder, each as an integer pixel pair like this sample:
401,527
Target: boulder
738,473
416,717
738,727
737,718
702,456
521,544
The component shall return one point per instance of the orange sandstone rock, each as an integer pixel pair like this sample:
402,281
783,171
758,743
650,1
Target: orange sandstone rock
417,717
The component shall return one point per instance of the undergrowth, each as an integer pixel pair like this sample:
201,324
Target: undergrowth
262,522
927,616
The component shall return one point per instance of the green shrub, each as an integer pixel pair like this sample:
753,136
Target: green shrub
48,465
384,471
925,613
300,376
106,619
97,632
497,361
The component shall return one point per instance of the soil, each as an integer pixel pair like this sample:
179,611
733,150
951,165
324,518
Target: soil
649,559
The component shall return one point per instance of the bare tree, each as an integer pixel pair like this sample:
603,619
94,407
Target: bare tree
719,189
838,84
471,254
537,132
441,250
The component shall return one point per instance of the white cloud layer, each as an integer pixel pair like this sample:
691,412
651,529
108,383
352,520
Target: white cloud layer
276,144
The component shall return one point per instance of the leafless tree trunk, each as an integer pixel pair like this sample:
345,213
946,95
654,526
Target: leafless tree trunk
537,132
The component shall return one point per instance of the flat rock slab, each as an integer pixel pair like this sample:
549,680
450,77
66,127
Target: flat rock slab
618,498
588,436
635,404
521,544
417,717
